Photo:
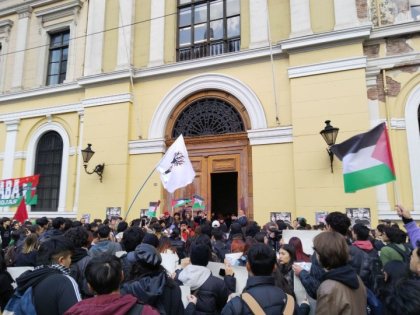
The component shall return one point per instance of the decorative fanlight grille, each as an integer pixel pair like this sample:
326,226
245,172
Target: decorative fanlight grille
208,116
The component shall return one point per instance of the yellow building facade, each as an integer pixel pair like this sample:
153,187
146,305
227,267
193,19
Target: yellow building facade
248,82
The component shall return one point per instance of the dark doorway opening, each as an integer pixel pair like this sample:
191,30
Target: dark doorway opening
224,193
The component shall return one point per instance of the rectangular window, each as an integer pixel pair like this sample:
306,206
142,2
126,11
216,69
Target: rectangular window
415,12
58,54
208,28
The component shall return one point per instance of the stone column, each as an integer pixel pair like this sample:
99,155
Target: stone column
12,127
95,37
125,33
157,33
258,23
300,17
24,14
345,12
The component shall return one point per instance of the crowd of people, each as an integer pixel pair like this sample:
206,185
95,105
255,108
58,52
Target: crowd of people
115,267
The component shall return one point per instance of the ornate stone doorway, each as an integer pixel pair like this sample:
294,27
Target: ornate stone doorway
214,125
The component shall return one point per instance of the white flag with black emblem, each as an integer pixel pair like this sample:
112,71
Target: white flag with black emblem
175,168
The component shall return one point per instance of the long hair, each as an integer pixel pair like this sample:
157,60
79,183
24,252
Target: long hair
165,244
300,254
30,244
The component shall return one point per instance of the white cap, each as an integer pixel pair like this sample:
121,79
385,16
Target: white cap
215,224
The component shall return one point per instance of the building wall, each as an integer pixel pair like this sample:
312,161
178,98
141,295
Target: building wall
329,68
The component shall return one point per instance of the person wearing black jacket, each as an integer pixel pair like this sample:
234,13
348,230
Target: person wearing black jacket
211,292
218,243
54,290
260,284
6,280
5,231
150,283
80,258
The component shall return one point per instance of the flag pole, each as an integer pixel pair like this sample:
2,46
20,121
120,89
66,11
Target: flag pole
388,121
138,192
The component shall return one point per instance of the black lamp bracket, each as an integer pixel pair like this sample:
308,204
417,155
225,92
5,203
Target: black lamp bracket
99,169
331,154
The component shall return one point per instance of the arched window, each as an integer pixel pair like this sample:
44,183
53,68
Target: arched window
418,116
48,160
208,116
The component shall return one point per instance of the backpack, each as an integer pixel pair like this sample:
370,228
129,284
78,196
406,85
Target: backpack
404,254
20,304
370,267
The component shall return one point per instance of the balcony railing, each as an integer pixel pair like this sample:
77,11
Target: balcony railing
207,49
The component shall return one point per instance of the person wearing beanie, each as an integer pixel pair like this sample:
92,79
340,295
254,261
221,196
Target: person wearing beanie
211,292
150,283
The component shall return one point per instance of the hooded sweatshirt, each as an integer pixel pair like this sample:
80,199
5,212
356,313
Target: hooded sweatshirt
54,291
104,305
194,276
345,275
341,293
157,290
364,245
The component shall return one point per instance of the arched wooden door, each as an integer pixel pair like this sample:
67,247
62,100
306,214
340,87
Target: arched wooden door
214,126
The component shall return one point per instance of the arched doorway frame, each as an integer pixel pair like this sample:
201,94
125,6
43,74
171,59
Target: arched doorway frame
204,82
218,153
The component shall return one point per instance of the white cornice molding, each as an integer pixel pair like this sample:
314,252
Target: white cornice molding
388,62
20,155
40,214
33,4
392,215
42,112
208,61
107,100
5,25
327,67
398,123
146,146
66,9
395,30
270,135
358,32
104,77
69,108
45,90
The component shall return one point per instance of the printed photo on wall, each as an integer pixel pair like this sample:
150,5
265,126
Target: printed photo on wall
320,217
359,215
284,216
113,212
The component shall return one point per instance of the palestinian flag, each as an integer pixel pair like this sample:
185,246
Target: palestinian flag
180,202
198,202
151,212
367,159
